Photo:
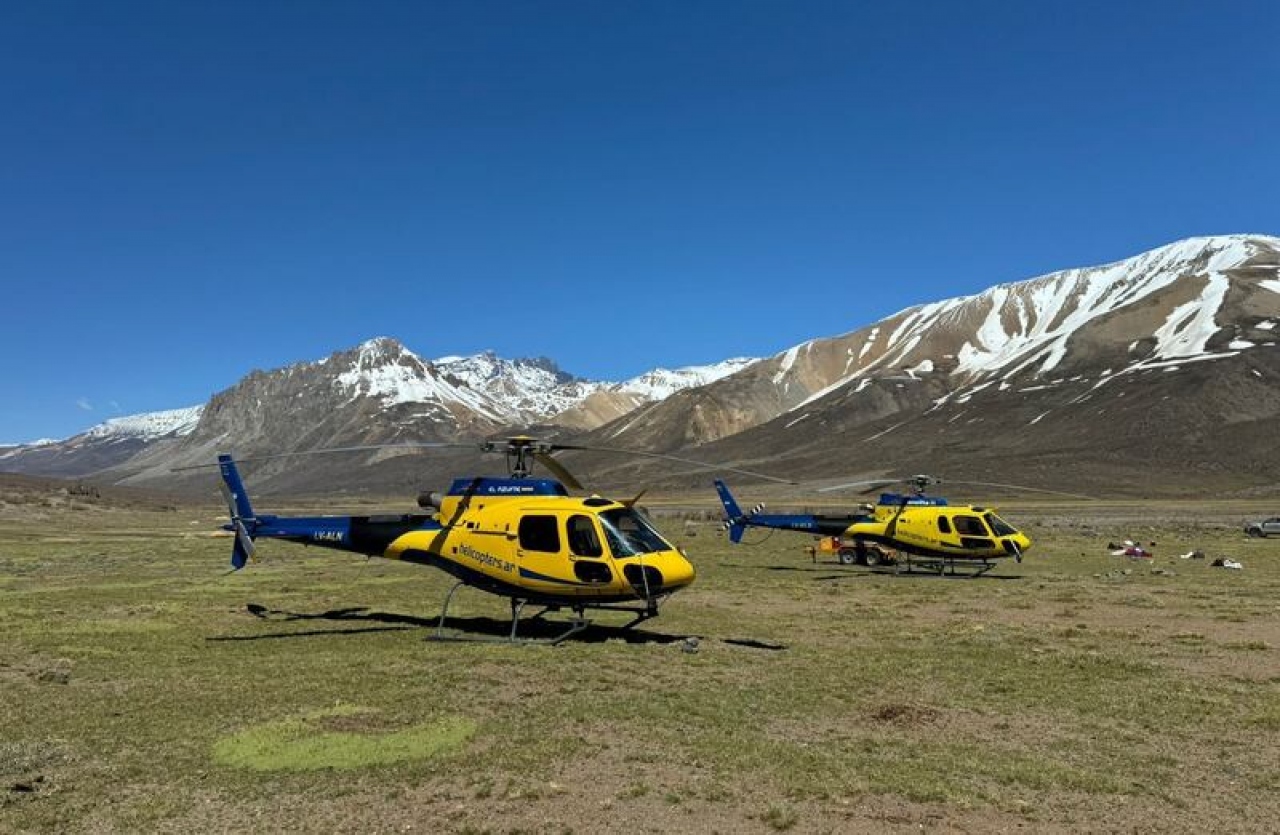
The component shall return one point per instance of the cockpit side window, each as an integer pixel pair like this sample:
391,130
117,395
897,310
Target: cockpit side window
999,526
539,533
629,534
583,540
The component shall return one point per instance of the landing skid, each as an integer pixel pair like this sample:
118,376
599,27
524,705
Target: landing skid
944,565
579,622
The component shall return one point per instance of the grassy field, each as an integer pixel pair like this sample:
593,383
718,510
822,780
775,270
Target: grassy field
145,690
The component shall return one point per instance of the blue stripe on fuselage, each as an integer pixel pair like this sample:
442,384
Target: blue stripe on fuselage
485,582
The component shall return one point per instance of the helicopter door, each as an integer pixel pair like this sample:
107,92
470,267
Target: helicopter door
586,551
539,533
973,534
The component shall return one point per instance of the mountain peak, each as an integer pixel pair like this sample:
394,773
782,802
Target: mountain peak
380,348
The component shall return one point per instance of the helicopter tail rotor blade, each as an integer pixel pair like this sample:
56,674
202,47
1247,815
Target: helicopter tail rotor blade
244,549
735,520
240,510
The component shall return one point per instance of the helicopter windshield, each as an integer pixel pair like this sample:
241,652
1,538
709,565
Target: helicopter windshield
999,526
629,534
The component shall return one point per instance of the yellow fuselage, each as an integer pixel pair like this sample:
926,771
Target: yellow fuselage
941,531
548,548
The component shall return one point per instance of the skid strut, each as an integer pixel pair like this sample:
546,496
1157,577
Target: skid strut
577,623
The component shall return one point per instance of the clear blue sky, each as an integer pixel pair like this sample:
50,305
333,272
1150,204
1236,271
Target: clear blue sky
189,191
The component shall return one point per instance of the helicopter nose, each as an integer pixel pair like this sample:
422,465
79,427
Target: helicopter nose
1016,545
681,571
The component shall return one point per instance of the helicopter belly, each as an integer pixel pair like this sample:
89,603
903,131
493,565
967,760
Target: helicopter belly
903,538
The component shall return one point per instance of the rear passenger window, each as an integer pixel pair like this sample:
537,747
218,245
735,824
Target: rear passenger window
539,533
944,525
583,541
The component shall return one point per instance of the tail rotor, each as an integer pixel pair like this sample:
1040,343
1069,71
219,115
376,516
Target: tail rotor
735,521
240,511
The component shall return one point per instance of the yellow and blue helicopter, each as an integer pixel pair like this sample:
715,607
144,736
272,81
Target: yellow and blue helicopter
520,537
929,531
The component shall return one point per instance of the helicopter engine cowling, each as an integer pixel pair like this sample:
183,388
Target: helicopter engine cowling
430,500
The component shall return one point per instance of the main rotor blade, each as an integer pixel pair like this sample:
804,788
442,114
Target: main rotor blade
876,484
465,502
703,464
1019,487
558,470
632,502
331,450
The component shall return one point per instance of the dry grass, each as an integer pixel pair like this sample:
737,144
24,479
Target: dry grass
1076,691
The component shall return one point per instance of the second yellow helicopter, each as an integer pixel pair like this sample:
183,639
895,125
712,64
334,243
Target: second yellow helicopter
929,531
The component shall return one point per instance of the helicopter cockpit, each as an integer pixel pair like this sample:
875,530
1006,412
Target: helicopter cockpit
629,534
999,526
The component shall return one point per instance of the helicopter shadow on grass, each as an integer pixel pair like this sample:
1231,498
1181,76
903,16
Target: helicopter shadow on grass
359,614
833,571
531,629
920,574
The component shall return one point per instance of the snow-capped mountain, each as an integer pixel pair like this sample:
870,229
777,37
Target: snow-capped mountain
611,401
105,445
1167,360
661,383
377,392
527,390
387,372
1159,310
1182,336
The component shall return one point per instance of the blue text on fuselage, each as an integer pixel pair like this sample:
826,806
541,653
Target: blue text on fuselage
507,487
486,559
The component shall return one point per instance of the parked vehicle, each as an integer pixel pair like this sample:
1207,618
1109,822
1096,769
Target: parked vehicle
1267,527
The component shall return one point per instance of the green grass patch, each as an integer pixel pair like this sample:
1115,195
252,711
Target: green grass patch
147,690
341,738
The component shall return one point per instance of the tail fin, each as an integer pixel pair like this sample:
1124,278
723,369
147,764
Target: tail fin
733,514
243,520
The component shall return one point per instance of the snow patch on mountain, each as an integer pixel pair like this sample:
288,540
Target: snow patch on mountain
1027,326
1188,328
1048,310
524,389
148,426
39,442
661,383
385,369
509,391
788,360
